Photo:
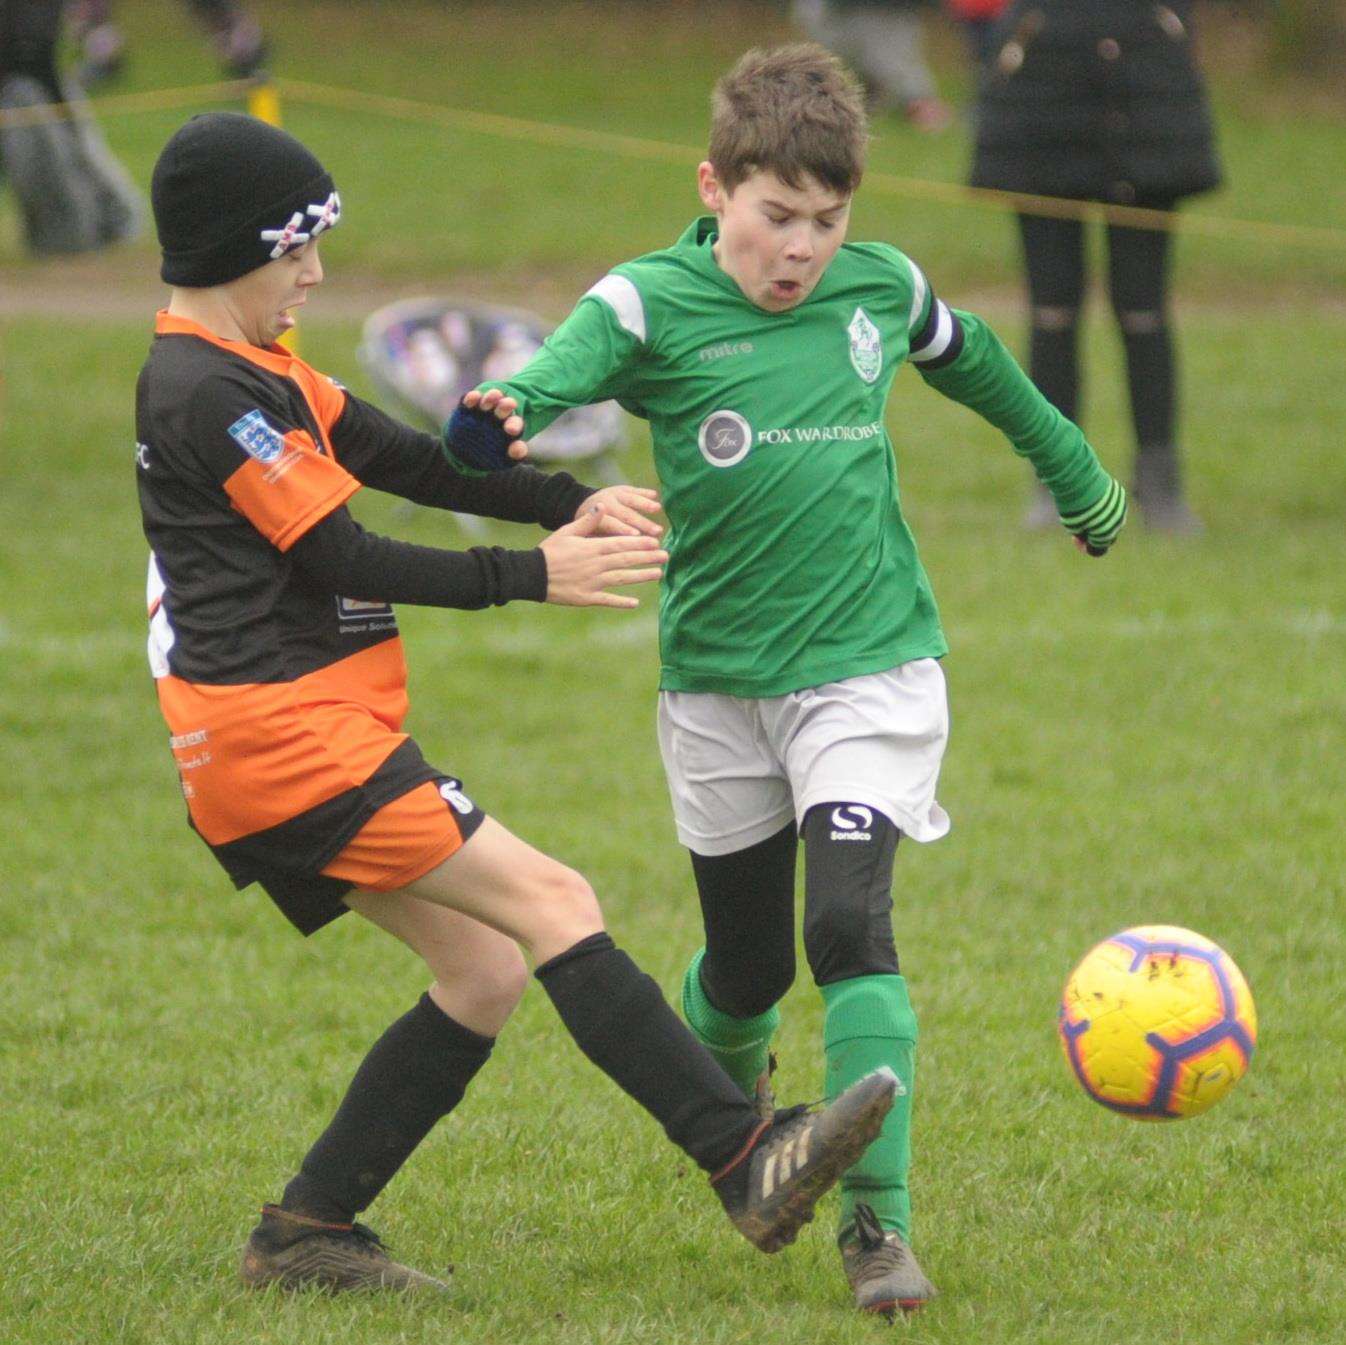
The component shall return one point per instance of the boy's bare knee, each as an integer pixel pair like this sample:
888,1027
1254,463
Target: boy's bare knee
483,998
569,895
505,978
499,990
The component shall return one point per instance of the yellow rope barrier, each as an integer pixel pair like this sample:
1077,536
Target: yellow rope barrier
638,147
151,100
949,193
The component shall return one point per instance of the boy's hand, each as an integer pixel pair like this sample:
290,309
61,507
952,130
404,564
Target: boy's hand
483,432
623,511
582,566
1096,527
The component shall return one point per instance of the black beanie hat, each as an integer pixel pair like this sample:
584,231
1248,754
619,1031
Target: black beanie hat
231,193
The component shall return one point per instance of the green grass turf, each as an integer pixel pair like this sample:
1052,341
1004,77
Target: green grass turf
1156,737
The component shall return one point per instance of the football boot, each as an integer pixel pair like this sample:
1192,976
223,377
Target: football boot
294,1251
769,1188
881,1269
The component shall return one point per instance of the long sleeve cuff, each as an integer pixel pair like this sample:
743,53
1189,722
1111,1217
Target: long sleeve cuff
340,557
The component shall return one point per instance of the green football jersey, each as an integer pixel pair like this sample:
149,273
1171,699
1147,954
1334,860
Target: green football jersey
790,563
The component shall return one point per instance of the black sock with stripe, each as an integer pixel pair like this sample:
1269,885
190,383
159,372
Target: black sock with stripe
621,1021
414,1074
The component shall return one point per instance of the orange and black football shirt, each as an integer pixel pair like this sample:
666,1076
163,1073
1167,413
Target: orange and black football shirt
285,700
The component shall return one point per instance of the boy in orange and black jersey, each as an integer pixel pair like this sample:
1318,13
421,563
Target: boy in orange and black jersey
265,596
280,673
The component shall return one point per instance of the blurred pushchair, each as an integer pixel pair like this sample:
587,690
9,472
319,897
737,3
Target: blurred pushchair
424,354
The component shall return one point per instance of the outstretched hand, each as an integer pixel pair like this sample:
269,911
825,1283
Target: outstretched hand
582,564
483,432
623,511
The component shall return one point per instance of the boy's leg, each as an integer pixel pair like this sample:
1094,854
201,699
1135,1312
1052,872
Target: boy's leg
416,1073
731,988
864,757
868,1020
868,1024
419,1070
731,803
768,1174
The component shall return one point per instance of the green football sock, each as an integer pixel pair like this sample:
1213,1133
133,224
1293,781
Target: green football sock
868,1021
742,1046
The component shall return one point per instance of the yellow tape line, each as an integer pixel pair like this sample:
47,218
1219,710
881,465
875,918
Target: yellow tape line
152,100
638,147
950,193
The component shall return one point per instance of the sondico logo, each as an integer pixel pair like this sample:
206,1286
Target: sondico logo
724,438
852,823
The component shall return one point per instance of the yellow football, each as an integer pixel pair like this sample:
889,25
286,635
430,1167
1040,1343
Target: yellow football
1157,1023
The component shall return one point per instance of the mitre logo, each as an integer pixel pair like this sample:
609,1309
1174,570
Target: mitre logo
724,438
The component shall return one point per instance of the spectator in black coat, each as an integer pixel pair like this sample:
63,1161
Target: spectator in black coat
1101,100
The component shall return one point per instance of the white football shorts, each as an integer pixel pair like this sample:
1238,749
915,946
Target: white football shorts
739,770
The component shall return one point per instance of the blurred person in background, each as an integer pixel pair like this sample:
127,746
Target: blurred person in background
237,38
73,196
1101,102
884,43
977,18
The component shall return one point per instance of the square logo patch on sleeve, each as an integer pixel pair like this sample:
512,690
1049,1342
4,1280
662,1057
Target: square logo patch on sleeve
257,437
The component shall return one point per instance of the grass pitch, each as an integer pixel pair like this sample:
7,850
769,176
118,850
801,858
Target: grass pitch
1159,736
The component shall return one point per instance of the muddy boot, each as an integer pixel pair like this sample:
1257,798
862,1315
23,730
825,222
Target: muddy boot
293,1251
788,1163
881,1269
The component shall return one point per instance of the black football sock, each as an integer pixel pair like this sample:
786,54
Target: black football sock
621,1021
415,1073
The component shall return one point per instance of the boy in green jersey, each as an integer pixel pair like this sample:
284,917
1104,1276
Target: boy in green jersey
801,695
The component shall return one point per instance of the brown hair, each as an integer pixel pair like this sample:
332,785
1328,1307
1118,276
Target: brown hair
791,111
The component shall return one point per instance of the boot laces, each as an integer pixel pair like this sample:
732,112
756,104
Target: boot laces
882,1253
784,1124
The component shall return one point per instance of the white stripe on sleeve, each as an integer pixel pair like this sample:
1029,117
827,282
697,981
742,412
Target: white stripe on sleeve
624,299
939,341
919,289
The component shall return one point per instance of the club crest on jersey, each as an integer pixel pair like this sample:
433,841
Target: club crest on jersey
724,438
866,346
257,437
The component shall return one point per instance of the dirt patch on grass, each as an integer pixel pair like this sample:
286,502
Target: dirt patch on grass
104,288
